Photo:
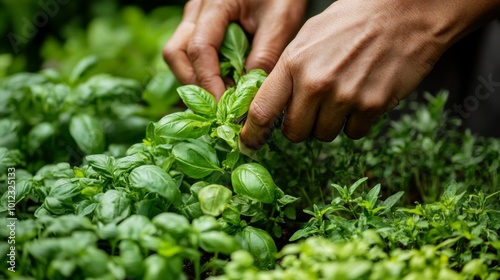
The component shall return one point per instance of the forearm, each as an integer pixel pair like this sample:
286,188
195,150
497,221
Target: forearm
452,19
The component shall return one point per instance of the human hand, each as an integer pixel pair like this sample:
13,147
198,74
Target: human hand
192,52
352,63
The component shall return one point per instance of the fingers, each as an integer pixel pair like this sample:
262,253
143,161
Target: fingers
175,51
300,115
329,122
205,43
271,38
360,121
266,107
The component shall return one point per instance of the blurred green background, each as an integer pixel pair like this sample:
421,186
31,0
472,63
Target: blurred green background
126,36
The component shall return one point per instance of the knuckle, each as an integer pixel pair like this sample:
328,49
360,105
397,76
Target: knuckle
195,49
317,85
373,107
266,59
169,53
344,98
260,115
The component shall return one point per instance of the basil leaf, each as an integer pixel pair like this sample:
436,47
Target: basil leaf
222,106
102,164
218,241
134,227
198,100
206,223
234,47
174,224
38,135
128,163
196,159
88,133
213,199
182,125
253,181
260,244
155,180
64,190
113,206
131,257
228,134
243,98
83,66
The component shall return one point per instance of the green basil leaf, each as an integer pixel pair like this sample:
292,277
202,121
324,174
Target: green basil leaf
222,106
157,267
253,78
253,181
228,134
38,135
93,262
56,206
88,133
64,190
260,244
22,190
206,223
231,215
213,199
134,227
131,258
218,241
128,163
198,100
231,159
64,225
102,164
174,224
234,47
243,98
9,158
182,125
113,206
196,159
83,66
156,180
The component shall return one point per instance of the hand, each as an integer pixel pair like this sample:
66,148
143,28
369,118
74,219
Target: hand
192,52
352,63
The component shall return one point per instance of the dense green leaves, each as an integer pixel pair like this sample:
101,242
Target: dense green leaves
171,205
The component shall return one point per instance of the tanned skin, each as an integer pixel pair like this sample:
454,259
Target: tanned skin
342,69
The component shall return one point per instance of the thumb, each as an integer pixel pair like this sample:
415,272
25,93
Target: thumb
267,105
